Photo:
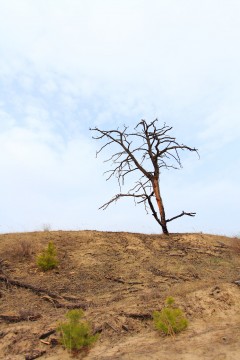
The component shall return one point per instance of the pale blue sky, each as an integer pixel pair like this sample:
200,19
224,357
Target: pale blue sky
67,65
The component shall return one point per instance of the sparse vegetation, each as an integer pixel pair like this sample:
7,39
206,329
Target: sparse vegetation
102,274
76,334
170,320
23,249
46,227
215,261
47,260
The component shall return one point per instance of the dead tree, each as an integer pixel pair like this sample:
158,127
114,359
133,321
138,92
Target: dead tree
147,150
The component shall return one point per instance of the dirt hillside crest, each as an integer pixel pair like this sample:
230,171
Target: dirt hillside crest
119,279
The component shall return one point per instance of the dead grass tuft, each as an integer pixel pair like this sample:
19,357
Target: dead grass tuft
23,249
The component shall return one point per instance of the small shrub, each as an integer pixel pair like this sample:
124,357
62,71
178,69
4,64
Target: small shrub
48,258
46,227
24,249
170,320
76,334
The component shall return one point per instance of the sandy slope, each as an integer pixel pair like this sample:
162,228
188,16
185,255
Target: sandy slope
119,278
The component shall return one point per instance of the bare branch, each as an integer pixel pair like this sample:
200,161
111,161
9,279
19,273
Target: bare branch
117,197
154,213
182,214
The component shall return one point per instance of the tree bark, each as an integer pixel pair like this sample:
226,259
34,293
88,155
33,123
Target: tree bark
157,194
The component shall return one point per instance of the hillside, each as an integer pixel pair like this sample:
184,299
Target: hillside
119,279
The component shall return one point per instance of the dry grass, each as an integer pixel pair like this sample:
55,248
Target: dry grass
235,245
24,249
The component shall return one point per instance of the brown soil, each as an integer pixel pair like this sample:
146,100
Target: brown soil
119,279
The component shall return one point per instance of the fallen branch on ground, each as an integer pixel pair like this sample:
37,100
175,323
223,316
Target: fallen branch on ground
18,318
35,354
47,334
121,281
29,287
58,304
53,298
138,316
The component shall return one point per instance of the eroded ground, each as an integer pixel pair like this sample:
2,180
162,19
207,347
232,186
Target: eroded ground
119,279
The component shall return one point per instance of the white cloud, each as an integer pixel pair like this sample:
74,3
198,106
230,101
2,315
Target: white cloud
77,64
222,126
34,175
6,120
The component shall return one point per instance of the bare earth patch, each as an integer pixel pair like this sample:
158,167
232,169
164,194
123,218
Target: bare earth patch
119,279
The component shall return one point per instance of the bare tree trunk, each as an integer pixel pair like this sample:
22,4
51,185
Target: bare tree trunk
157,194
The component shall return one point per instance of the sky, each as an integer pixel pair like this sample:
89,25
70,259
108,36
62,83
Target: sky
70,65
